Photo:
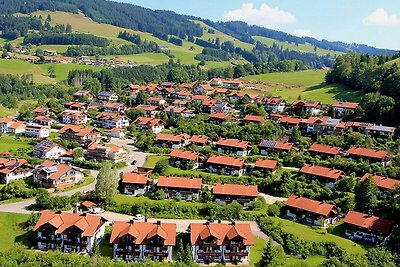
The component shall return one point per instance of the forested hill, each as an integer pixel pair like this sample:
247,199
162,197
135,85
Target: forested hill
245,33
163,23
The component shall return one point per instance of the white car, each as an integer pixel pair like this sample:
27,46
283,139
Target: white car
97,211
138,217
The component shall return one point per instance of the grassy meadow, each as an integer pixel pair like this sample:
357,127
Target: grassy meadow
10,142
12,229
306,85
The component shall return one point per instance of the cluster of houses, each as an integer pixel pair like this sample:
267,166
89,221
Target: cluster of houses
143,240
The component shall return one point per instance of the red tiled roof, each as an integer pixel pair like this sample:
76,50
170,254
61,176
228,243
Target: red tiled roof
381,181
87,204
252,118
200,139
235,190
219,115
179,182
88,224
314,206
289,120
368,152
227,161
185,154
147,121
135,178
306,103
321,171
279,145
79,130
348,105
331,150
233,143
142,232
266,164
222,232
369,222
10,165
172,137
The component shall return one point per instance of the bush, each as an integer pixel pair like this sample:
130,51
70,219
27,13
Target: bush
161,166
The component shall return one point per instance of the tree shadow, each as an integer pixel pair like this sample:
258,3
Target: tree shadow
27,238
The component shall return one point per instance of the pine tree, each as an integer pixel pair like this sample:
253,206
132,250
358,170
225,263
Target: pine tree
107,183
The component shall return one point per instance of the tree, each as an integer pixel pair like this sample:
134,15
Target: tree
380,256
93,85
367,195
51,71
4,54
161,166
268,255
107,183
78,153
68,28
141,98
178,75
26,111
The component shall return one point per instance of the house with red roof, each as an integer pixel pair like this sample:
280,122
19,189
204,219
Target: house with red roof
44,120
156,101
370,154
340,108
140,241
228,193
307,106
275,104
68,232
200,141
289,123
106,152
174,141
150,111
253,119
266,166
48,150
16,127
14,169
36,130
58,176
232,84
221,242
135,183
320,125
203,89
183,188
383,183
109,120
322,175
226,165
233,146
74,117
367,227
185,159
269,147
114,107
149,124
311,211
324,150
83,95
81,134
220,118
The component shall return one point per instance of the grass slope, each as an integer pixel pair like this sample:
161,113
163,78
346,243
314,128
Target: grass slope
10,142
306,85
306,48
11,229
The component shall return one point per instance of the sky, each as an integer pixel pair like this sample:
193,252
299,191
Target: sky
376,23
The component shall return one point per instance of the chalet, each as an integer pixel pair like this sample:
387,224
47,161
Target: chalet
114,107
185,159
226,165
181,94
221,242
83,95
44,120
150,111
107,96
37,131
266,166
112,120
115,133
221,107
187,86
324,150
14,169
216,82
253,119
135,183
149,124
322,175
81,134
233,146
167,84
370,154
86,206
16,127
48,52
200,141
111,152
267,147
172,140
379,130
67,157
180,103
311,211
275,104
200,98
75,106
68,231
204,89
58,176
140,241
220,118
289,123
167,91
206,105
232,84
48,150
156,101
320,125
175,111
180,187
367,228
307,106
43,111
340,109
5,122
384,184
228,193
74,117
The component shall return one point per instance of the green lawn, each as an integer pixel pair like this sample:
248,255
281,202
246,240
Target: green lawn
62,70
12,229
256,251
6,111
306,85
20,67
317,234
152,160
306,48
88,180
311,261
143,59
125,199
10,142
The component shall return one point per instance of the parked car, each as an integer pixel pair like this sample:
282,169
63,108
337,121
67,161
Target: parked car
97,211
138,217
134,162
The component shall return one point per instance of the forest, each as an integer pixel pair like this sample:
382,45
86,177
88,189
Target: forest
12,27
91,50
52,38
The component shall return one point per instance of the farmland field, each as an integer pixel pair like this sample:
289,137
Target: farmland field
306,85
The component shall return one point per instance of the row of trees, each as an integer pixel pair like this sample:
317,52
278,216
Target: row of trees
92,50
52,38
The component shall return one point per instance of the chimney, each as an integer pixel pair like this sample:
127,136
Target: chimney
158,222
219,221
207,223
233,222
58,212
131,221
